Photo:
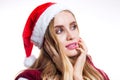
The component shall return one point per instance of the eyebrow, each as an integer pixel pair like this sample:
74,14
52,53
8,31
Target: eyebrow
74,22
57,26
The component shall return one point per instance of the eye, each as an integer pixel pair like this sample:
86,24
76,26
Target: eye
59,30
73,27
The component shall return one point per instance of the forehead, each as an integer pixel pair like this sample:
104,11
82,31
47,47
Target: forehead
63,17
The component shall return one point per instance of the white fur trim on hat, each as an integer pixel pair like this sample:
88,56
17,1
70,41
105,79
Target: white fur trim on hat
29,61
21,78
43,22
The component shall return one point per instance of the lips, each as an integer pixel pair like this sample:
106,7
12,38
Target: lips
71,46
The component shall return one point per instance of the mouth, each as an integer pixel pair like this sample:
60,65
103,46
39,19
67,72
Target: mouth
72,46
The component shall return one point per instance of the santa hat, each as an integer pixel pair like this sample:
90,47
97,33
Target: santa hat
36,26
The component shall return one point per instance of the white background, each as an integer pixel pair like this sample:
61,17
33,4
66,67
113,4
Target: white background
99,22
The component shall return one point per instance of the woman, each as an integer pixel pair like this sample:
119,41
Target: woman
54,30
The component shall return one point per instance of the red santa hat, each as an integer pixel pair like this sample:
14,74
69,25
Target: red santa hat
36,25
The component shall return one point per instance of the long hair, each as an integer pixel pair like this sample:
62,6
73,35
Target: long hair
55,65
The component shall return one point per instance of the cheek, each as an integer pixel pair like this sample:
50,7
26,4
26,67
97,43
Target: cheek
61,38
76,34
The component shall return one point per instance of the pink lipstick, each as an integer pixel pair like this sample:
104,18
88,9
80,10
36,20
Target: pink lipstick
72,46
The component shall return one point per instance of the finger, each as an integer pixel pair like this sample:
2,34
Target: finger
50,49
82,45
80,61
82,56
80,50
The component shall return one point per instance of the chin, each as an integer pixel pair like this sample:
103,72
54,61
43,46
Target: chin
72,53
73,59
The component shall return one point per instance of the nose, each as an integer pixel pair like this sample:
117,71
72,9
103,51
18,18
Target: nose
70,35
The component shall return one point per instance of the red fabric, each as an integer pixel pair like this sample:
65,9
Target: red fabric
30,75
31,21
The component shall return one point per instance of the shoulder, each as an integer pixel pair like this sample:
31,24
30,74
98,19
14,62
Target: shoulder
29,75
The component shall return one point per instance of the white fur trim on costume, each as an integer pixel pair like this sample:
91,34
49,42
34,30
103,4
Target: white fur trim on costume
21,78
43,22
29,61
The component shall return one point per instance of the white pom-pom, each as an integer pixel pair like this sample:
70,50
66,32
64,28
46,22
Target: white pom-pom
29,61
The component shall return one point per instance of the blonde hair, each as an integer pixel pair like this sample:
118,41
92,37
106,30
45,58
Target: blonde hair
55,65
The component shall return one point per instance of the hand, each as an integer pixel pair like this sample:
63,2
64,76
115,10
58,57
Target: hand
53,54
79,65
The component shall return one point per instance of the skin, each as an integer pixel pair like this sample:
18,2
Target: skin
67,33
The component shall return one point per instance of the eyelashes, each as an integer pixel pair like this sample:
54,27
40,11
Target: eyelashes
74,27
61,29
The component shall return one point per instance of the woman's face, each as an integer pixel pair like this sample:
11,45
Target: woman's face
67,33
